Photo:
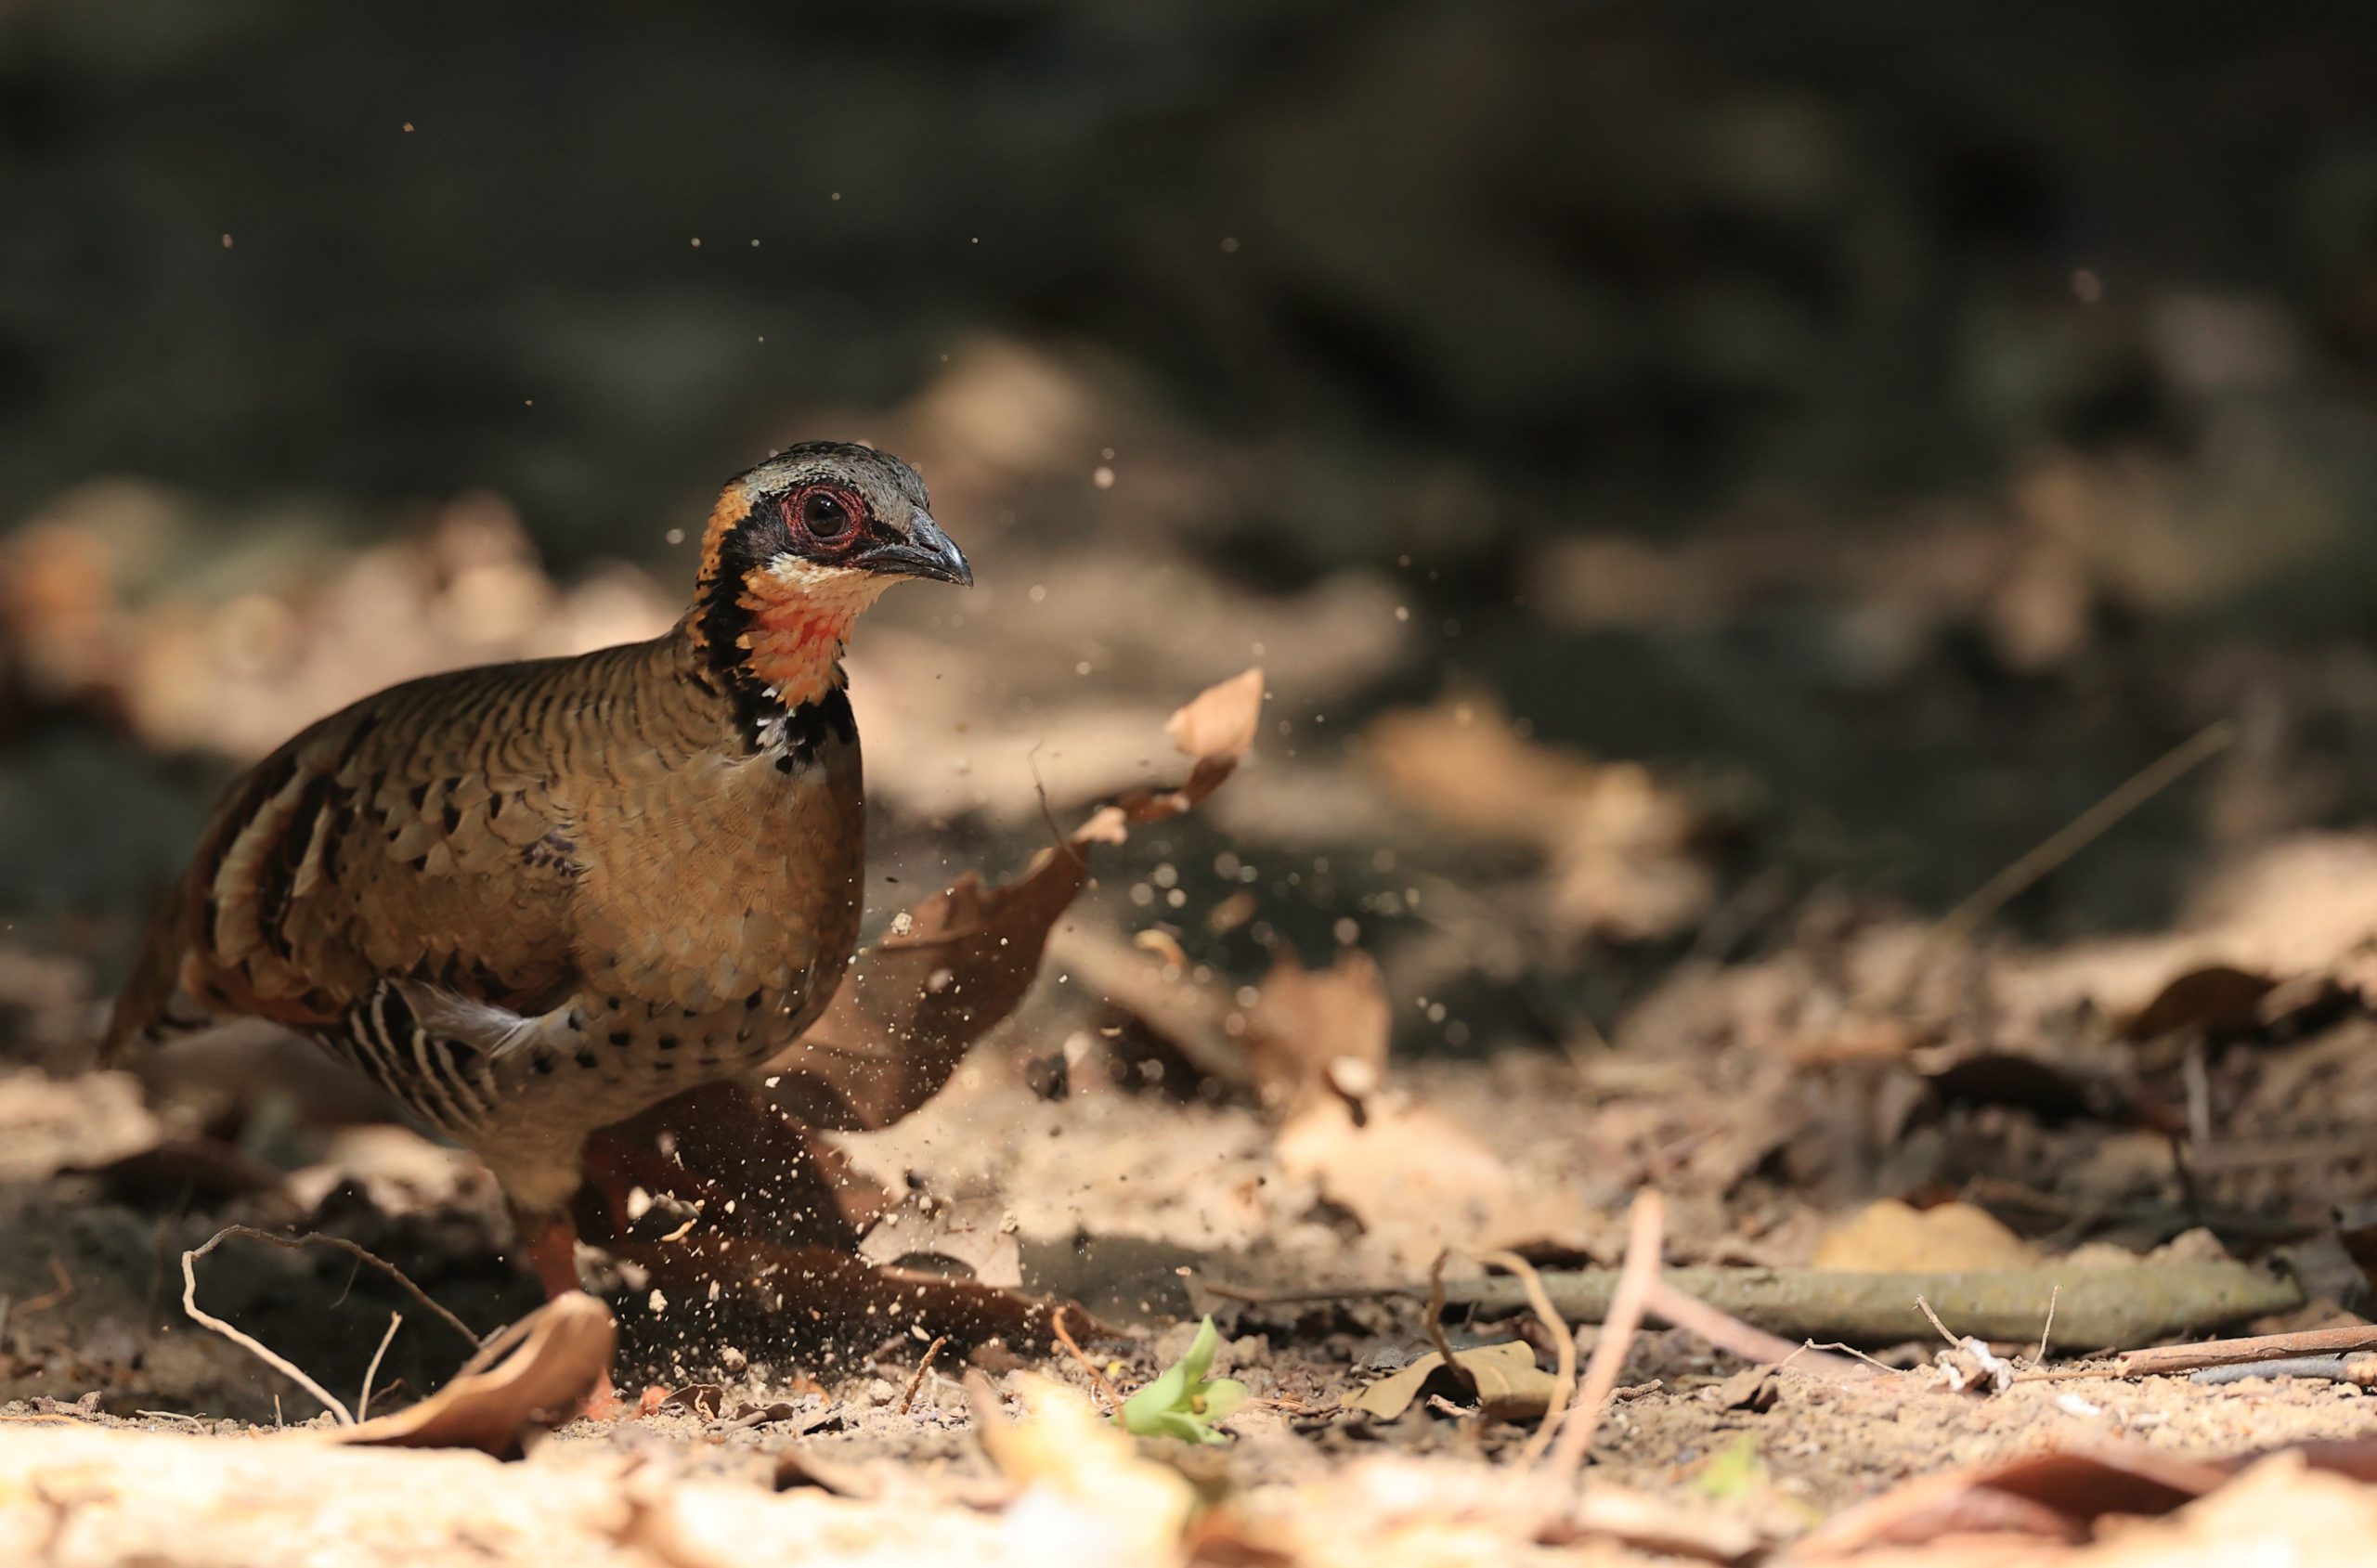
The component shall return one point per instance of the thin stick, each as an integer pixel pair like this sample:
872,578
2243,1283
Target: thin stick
289,1370
1961,922
2335,1369
2260,1347
1730,1334
1433,1320
1564,1345
1643,1232
371,1373
916,1381
65,1290
2047,1331
1954,1342
315,1237
1065,1338
1877,1365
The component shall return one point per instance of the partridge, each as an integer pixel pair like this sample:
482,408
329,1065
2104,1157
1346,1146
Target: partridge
530,899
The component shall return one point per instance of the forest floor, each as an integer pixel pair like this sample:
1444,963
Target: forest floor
1596,982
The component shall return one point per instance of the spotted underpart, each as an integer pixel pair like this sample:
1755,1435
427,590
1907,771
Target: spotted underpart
533,899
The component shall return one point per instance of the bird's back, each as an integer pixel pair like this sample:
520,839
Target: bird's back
513,836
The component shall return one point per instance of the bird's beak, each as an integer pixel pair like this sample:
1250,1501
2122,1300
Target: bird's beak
925,552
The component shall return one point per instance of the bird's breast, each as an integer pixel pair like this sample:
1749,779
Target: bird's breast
741,874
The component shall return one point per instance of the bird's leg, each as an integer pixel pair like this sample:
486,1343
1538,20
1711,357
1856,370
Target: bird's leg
552,1253
615,1165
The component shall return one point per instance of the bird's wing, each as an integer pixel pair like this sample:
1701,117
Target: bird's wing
423,834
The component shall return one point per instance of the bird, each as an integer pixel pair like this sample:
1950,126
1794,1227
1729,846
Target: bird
530,899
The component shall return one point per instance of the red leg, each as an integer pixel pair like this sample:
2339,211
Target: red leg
552,1253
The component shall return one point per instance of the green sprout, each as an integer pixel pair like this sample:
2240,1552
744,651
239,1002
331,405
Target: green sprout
1182,1402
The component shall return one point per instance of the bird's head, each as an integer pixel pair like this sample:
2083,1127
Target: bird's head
798,548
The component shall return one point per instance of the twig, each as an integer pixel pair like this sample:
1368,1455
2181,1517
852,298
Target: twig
289,1370
1643,1234
1954,1342
1876,1365
315,1237
1065,1338
1731,1335
371,1373
2335,1369
1434,1320
49,1299
1563,1347
2259,1347
1968,917
2048,1329
924,1365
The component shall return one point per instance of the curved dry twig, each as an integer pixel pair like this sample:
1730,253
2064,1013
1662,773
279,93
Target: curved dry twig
329,1401
314,1237
371,1373
1564,1343
1643,1234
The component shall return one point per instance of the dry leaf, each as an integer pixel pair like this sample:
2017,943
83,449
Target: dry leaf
1420,1182
1625,851
51,1124
1890,1238
1318,1034
540,1371
916,1000
1310,1034
2252,1502
1510,1386
1079,1478
2214,998
2055,1497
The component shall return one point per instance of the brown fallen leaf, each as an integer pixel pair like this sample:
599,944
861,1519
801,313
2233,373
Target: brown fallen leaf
51,1124
1318,1034
1310,1035
1889,1237
1625,852
2215,998
2055,1497
1076,1468
2303,1503
536,1373
1420,1182
1510,1386
957,965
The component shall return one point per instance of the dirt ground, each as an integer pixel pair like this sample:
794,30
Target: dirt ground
1181,1121
1811,585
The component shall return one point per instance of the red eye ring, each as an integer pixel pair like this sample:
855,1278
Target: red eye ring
824,514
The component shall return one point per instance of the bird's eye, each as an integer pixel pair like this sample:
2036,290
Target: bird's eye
828,516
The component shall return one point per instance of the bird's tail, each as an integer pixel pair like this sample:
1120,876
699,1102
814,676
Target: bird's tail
152,1006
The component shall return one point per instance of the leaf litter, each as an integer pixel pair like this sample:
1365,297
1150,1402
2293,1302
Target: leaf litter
2017,1116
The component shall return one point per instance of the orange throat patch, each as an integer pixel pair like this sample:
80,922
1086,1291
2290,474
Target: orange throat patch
802,614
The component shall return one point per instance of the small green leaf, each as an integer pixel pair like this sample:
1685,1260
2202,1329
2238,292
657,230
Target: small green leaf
1181,1402
1733,1472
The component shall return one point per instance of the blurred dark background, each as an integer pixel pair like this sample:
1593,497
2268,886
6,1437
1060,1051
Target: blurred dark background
1894,426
